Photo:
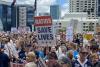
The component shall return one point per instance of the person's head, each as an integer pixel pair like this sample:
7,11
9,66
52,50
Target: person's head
64,62
70,54
95,58
83,53
94,48
52,55
46,50
63,49
53,49
31,57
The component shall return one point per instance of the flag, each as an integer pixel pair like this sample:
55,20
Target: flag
35,5
13,3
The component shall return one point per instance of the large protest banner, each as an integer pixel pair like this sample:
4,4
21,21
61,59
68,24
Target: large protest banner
44,29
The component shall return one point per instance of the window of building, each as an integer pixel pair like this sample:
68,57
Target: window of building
84,23
77,1
86,26
0,10
86,29
83,26
83,29
89,6
85,1
78,4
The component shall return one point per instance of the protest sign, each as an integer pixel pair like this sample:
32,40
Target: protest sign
14,30
44,29
69,34
88,36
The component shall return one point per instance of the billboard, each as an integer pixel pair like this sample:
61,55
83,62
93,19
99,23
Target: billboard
44,29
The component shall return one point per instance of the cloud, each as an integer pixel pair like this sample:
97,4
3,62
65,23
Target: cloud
65,9
44,5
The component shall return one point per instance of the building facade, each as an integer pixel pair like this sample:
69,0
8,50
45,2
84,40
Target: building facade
15,16
79,21
25,16
44,14
89,6
98,1
5,15
55,11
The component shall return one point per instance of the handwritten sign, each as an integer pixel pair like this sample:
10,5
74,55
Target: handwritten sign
44,29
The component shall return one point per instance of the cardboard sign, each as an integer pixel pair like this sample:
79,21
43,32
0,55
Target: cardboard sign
44,29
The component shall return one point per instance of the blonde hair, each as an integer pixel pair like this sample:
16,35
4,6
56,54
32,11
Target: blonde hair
31,56
94,55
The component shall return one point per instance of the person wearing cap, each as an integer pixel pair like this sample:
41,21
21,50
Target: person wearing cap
4,59
31,60
82,60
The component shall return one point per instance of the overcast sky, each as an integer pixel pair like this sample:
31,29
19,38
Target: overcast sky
44,5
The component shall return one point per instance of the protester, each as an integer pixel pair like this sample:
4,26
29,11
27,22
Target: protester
95,60
65,62
31,58
52,62
82,61
22,48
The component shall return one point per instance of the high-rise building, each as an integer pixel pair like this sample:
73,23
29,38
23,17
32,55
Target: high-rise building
55,11
5,15
89,6
98,1
44,14
25,15
8,15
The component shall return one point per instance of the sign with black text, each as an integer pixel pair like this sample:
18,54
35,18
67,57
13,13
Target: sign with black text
44,29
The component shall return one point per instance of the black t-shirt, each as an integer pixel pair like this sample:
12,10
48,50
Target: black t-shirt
4,60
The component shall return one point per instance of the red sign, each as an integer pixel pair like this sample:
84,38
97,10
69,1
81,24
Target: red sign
43,21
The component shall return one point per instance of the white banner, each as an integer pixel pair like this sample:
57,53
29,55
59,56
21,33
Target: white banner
69,34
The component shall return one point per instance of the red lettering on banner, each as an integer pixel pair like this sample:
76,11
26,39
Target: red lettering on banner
43,21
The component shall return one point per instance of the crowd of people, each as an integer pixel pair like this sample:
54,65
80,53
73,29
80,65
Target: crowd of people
23,48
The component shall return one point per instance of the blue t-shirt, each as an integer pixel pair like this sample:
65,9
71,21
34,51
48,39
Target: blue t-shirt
75,54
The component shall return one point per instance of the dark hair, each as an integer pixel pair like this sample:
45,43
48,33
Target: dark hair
52,55
46,48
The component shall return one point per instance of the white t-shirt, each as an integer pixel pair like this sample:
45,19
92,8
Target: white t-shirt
30,64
